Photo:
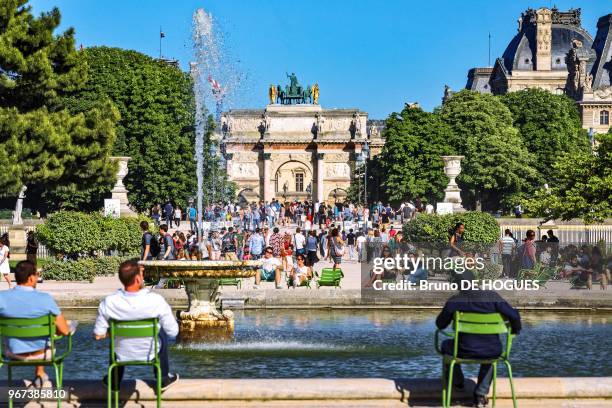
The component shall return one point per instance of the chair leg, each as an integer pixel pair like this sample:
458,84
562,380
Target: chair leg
9,384
58,383
451,368
158,385
443,385
514,403
109,385
494,381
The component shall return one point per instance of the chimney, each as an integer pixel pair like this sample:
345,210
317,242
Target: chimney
543,39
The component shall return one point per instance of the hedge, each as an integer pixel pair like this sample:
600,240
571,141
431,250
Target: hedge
78,234
83,269
480,228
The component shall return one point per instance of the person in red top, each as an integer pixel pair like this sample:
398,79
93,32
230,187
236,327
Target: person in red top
392,232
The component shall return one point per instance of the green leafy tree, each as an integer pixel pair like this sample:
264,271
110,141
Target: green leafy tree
497,168
157,107
581,188
410,159
549,125
43,146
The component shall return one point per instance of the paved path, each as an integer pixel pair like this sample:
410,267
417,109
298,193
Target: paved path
556,295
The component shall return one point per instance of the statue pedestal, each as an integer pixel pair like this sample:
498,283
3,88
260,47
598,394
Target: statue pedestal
203,320
119,192
452,192
18,239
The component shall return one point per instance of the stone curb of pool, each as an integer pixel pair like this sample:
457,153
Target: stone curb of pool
560,390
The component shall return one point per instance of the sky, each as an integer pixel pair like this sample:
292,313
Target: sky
371,55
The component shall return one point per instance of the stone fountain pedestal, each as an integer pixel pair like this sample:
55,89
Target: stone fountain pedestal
202,321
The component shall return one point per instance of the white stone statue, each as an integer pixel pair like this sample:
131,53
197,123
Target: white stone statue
17,220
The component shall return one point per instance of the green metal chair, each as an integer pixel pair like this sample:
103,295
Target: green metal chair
133,328
230,282
329,277
475,323
289,282
43,326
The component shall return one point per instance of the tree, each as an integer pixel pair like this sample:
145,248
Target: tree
411,158
156,104
497,168
42,145
581,188
548,125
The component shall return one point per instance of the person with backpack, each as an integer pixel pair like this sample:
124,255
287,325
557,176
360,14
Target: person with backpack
167,251
229,245
150,245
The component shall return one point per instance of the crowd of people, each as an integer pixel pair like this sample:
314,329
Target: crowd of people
305,214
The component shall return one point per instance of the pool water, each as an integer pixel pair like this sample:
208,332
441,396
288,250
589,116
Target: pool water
357,343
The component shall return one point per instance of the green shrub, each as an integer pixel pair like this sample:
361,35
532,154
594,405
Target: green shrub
108,265
79,234
70,233
83,269
480,228
80,270
491,271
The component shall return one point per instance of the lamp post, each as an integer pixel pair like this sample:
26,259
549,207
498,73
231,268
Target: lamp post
365,151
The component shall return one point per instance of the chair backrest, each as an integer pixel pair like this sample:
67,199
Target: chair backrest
481,323
43,326
330,273
134,328
145,328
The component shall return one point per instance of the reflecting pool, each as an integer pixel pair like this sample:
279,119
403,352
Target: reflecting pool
359,343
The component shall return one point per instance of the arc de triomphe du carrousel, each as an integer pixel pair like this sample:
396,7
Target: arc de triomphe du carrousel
294,149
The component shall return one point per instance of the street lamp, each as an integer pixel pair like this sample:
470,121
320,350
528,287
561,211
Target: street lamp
365,152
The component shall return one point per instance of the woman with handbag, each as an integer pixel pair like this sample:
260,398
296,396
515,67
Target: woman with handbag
335,248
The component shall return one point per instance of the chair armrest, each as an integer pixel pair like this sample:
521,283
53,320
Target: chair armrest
69,350
437,337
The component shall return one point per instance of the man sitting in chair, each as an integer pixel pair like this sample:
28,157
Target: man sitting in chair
270,270
134,302
476,346
25,302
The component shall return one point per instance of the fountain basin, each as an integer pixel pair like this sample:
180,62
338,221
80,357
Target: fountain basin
201,281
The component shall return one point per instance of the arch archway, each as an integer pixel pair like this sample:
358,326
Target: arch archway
293,180
337,195
247,196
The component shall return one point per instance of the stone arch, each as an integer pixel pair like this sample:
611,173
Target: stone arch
337,195
246,196
286,173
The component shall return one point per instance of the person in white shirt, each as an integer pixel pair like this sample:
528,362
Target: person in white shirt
429,208
301,272
270,269
361,247
134,302
299,241
5,268
507,246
